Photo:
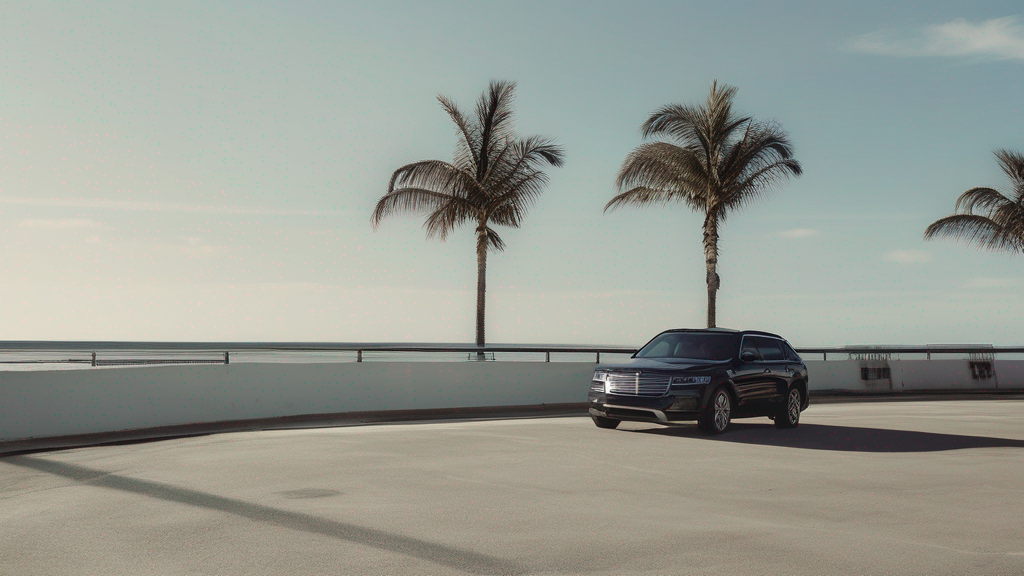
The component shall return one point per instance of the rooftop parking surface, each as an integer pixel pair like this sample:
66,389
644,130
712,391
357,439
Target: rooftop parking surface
881,488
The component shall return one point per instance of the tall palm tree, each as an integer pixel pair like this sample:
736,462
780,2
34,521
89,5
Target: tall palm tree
1002,228
494,178
714,162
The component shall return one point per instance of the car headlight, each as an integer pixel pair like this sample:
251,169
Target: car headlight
601,376
691,380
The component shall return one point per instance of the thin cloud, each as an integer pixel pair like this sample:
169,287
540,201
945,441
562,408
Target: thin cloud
995,39
132,206
986,282
52,224
798,233
908,256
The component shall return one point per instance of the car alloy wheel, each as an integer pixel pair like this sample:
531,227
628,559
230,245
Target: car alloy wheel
789,415
794,406
722,410
718,412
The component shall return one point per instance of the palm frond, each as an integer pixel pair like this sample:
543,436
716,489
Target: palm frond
762,158
1011,217
466,148
641,196
494,242
407,200
976,229
759,182
1002,227
981,197
540,149
1012,163
710,127
453,213
687,125
509,208
433,175
523,158
761,144
720,122
494,116
498,163
664,166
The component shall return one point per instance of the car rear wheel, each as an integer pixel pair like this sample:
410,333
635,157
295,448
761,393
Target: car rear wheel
717,414
788,415
603,422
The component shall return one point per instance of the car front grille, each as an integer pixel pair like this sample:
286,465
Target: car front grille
637,384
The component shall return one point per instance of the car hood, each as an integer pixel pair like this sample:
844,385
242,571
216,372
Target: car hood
674,364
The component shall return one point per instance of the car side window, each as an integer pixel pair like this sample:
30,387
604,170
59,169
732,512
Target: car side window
791,354
769,348
748,346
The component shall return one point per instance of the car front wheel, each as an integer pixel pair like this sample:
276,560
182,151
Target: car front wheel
603,422
717,414
788,415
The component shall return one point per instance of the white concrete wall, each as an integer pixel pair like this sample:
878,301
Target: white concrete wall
834,375
57,403
912,375
1010,373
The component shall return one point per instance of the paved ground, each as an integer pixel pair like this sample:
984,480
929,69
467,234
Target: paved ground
872,488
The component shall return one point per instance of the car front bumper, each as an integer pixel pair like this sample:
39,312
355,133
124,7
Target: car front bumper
676,407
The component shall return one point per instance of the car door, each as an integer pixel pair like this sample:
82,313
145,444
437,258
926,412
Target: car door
752,378
776,368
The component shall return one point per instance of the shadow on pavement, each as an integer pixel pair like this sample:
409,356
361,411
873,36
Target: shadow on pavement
840,438
448,556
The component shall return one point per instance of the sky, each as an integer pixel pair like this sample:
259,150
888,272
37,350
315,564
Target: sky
206,171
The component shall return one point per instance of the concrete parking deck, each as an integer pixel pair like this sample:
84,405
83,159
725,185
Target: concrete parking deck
859,488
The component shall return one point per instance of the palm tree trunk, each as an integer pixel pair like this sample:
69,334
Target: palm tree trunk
711,260
481,284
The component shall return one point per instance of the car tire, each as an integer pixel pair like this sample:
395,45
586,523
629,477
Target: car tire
788,415
604,422
717,414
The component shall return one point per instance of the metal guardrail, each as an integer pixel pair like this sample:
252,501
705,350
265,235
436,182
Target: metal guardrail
927,350
89,347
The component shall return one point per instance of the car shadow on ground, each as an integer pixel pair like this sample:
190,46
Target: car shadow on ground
839,438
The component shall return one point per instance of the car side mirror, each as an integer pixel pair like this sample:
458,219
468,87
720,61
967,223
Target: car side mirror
748,356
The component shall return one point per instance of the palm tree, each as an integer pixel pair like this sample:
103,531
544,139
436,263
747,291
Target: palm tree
494,178
1002,228
715,162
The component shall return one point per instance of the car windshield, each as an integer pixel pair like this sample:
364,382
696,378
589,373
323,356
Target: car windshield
691,345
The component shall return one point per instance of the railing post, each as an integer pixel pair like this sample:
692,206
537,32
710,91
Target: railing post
227,359
929,355
359,355
94,359
598,358
547,356
824,356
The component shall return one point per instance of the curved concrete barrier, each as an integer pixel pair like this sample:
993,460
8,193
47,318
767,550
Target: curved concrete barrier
35,404
73,402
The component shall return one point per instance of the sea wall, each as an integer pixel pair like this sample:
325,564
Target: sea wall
38,404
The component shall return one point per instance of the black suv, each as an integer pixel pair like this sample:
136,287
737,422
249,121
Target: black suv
710,376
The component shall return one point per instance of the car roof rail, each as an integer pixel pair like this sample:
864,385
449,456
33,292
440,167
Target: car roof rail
763,333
